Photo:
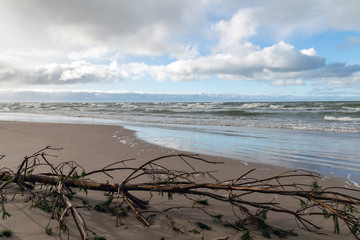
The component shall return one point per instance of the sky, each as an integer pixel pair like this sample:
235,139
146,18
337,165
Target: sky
274,49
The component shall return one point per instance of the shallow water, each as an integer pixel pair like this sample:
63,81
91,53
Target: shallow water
332,154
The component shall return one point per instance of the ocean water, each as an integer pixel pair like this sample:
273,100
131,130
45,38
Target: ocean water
317,136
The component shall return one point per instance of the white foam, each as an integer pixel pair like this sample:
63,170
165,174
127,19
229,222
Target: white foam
357,109
344,119
253,105
355,184
276,106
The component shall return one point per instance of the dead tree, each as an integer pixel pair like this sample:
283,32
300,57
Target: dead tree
337,203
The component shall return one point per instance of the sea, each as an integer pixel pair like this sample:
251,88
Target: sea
318,136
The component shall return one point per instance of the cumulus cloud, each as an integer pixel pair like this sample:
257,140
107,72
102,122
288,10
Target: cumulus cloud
309,52
234,58
306,17
237,30
339,70
337,74
67,42
278,60
136,27
67,33
55,74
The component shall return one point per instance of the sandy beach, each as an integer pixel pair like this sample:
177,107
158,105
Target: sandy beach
95,146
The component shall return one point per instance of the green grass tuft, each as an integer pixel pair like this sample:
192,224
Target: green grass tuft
204,202
48,231
99,238
203,226
6,233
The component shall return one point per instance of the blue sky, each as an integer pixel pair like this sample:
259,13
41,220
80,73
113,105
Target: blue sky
300,48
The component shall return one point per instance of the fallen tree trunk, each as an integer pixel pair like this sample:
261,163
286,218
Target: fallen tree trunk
322,201
180,188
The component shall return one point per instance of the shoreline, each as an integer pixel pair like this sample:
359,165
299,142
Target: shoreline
96,146
300,149
122,141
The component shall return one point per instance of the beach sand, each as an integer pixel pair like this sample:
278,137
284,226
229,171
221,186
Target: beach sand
95,146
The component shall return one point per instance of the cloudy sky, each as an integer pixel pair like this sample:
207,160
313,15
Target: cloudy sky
300,48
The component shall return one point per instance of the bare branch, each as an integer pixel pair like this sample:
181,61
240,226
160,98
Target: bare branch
337,202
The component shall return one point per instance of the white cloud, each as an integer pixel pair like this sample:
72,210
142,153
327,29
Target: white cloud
96,52
284,18
79,71
40,53
136,27
309,52
235,31
338,70
179,51
338,74
291,82
55,74
65,24
234,58
66,42
262,64
279,19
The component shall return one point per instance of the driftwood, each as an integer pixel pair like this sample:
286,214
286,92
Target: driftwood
335,202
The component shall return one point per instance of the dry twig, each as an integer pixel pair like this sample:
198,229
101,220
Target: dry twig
338,203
